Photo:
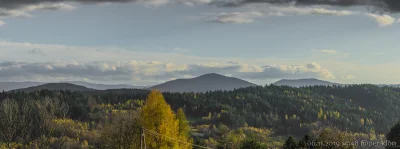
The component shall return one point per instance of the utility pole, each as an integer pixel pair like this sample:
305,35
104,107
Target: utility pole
141,140
144,140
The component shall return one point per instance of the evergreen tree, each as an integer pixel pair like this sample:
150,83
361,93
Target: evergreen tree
394,135
251,144
305,142
290,143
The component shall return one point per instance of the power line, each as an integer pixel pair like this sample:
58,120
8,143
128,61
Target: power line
193,145
155,134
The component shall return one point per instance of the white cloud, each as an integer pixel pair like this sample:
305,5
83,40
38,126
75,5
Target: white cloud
310,11
43,62
49,6
4,13
2,23
323,11
236,17
148,71
154,3
76,70
181,50
312,70
250,68
322,72
349,77
25,11
277,10
194,2
325,51
383,20
259,10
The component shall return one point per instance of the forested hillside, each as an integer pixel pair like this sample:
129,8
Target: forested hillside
304,82
204,83
56,87
224,119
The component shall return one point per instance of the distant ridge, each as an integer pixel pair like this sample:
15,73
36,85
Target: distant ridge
204,83
57,87
389,85
207,82
104,86
304,82
8,86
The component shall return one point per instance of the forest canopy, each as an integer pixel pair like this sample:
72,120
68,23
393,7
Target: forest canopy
256,116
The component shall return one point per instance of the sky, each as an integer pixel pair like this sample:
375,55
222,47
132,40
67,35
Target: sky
146,42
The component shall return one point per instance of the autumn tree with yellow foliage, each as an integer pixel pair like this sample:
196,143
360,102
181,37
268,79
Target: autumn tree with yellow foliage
157,116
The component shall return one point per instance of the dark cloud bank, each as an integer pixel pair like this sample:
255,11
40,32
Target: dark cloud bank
14,4
378,5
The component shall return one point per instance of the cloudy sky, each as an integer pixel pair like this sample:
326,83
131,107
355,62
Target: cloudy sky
145,42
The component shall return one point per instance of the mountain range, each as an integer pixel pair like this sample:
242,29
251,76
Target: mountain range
207,82
203,83
8,86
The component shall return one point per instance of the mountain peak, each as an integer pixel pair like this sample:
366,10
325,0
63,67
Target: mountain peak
211,75
299,79
303,79
57,86
303,82
203,83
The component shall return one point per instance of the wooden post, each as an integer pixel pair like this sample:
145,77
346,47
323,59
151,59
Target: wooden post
141,140
144,140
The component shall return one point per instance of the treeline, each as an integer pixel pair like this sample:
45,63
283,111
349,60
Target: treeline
218,119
